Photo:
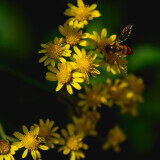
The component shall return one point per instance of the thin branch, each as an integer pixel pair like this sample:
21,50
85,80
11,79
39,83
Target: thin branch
4,136
25,78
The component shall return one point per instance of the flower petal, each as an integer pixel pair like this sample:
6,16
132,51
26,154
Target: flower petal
84,43
43,147
42,59
69,89
71,130
25,153
95,13
76,85
80,3
33,153
76,49
93,6
104,33
25,129
59,86
18,135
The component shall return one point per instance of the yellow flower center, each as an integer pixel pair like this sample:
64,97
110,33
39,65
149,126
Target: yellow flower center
64,75
30,141
111,58
54,50
73,37
83,64
74,143
82,13
44,131
4,147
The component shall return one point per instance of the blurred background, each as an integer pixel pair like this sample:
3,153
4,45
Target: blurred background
26,96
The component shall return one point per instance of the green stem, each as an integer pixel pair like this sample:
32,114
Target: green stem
4,136
26,78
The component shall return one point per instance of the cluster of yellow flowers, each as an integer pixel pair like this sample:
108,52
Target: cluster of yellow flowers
44,136
125,93
70,63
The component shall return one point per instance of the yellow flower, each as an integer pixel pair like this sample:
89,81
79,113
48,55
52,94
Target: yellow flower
65,75
72,143
129,106
86,124
84,63
7,150
126,93
132,95
114,138
30,141
100,42
115,62
73,36
95,96
136,87
53,51
116,92
48,133
82,13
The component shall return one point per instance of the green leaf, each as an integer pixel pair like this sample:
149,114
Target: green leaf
144,55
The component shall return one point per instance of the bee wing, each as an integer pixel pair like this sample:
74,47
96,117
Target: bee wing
126,32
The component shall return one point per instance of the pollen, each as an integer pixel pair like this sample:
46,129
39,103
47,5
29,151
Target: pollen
74,143
4,147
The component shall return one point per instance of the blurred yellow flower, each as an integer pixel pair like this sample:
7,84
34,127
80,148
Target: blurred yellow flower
136,87
86,124
53,51
81,14
73,36
30,141
126,93
48,133
72,143
65,75
84,63
7,150
132,95
115,92
100,42
129,106
95,96
114,138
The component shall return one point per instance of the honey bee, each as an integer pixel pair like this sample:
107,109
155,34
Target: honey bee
117,47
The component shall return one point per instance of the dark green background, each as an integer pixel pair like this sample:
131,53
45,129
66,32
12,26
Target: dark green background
26,96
